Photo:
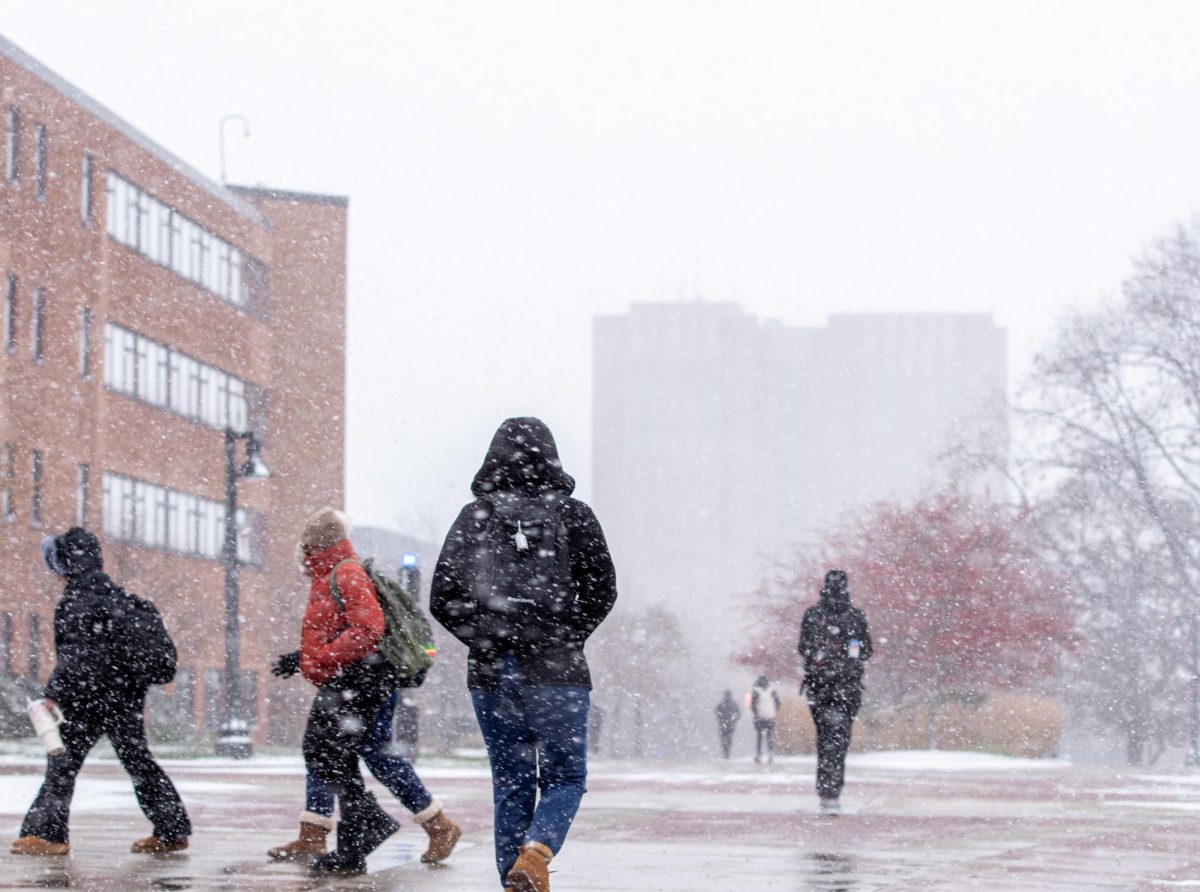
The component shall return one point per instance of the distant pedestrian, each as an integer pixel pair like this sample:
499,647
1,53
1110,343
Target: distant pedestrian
728,715
764,706
834,644
523,579
408,726
351,712
111,646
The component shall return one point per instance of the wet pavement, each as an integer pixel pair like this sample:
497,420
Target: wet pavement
921,821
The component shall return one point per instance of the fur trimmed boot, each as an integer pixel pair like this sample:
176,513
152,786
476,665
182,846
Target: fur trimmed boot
443,833
153,845
35,845
531,872
310,843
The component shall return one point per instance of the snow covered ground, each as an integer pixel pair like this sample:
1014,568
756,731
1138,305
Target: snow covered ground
913,820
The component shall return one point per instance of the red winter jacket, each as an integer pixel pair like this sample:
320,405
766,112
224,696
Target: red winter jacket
332,639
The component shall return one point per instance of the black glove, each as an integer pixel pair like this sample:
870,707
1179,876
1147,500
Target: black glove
287,665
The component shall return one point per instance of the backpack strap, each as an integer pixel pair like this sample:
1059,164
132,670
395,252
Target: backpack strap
333,586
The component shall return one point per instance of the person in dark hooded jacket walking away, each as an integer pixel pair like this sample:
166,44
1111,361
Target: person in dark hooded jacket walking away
523,579
99,682
834,644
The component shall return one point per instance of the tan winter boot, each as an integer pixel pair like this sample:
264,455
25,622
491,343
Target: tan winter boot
310,844
152,845
531,873
35,845
443,833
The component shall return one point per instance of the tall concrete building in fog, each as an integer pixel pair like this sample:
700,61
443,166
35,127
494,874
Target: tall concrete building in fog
722,441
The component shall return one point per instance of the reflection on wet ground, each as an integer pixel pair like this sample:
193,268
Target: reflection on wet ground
664,829
830,872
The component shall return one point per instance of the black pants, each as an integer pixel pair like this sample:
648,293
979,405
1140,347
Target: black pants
834,722
764,730
726,741
125,727
342,713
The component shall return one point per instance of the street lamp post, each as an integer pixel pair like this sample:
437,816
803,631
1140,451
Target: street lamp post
233,737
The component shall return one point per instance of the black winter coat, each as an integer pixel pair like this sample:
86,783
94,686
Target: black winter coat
88,672
523,459
832,677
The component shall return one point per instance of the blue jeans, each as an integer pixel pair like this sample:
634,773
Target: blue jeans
536,738
390,769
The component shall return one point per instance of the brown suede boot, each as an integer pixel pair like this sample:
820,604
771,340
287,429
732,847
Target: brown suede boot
310,844
531,873
152,845
35,845
443,836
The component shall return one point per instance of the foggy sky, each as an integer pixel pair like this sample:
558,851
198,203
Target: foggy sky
514,168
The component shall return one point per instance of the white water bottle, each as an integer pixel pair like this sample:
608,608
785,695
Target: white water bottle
46,719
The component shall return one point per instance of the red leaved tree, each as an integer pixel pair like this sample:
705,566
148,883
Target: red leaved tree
958,600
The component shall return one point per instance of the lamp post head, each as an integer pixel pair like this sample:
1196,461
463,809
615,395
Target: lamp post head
253,468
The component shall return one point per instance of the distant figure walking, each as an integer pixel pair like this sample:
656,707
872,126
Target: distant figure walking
834,644
523,579
764,706
111,646
728,714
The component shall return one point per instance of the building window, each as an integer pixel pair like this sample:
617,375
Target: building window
35,646
35,480
8,510
85,189
36,323
6,644
10,313
139,221
81,495
12,146
85,342
40,160
164,377
167,519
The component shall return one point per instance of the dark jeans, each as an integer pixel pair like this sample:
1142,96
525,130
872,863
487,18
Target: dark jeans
125,727
391,769
536,738
834,722
342,712
764,730
726,741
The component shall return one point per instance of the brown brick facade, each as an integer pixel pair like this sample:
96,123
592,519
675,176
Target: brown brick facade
286,345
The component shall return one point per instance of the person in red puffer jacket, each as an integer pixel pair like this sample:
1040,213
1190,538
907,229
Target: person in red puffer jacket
338,654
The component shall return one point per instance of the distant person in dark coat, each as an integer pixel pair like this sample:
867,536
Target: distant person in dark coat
523,579
834,644
728,714
101,692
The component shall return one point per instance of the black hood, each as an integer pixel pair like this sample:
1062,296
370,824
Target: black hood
837,588
79,552
522,456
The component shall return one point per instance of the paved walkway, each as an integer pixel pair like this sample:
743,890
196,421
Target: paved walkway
911,822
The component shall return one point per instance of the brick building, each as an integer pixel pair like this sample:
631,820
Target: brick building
143,310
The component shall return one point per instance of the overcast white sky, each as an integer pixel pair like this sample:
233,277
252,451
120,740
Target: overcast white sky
514,168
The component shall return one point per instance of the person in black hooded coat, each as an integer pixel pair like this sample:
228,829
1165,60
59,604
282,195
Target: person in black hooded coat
834,643
99,685
523,579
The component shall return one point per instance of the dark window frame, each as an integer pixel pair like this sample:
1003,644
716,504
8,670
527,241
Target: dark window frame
41,163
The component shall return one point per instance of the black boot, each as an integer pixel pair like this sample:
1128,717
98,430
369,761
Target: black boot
339,863
363,828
